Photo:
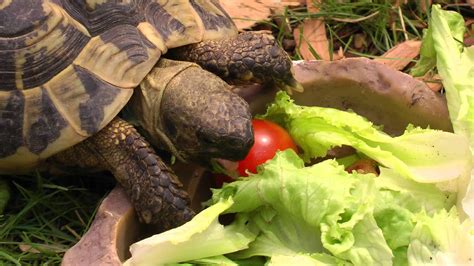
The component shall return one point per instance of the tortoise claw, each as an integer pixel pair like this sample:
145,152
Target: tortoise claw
289,85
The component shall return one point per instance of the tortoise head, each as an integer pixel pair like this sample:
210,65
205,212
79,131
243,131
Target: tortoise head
198,118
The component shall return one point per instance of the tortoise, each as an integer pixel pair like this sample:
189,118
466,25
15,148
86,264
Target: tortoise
68,67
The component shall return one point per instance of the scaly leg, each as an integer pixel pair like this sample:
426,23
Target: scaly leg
154,190
249,56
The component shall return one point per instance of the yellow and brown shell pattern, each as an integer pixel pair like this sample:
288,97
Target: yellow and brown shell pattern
67,67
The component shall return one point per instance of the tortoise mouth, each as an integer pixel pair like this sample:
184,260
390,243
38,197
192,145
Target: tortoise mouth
224,166
232,146
204,152
217,155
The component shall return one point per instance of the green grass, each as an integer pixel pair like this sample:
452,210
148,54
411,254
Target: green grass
379,24
47,215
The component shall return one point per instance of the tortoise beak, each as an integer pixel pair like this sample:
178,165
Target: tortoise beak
229,148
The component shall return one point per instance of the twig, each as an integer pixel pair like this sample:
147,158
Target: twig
355,20
403,24
80,218
76,235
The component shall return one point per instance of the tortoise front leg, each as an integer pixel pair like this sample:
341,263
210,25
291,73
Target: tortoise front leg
249,56
155,192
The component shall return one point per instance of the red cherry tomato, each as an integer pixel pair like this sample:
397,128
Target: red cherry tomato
269,138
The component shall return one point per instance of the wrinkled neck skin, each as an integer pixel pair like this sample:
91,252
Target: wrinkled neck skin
145,105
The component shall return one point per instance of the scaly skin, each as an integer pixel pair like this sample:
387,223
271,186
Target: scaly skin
249,56
155,191
192,113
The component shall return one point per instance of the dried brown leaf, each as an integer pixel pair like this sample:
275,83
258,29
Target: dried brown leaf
246,13
28,248
311,7
471,3
311,35
424,4
401,54
433,81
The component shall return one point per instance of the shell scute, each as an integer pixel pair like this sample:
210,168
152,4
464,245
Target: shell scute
12,107
212,15
163,21
44,122
127,39
100,94
21,17
99,16
211,19
35,53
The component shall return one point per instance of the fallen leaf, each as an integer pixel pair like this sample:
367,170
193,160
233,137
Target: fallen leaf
28,248
247,13
400,55
425,4
433,81
310,37
471,3
311,7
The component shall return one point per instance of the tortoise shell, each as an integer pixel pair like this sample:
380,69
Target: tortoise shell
67,67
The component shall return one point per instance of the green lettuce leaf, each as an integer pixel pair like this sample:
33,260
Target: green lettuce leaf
217,260
304,259
441,240
308,210
454,24
398,201
369,247
455,65
199,238
411,195
291,214
423,155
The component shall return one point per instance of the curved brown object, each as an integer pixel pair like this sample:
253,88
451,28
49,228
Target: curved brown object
385,96
115,224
